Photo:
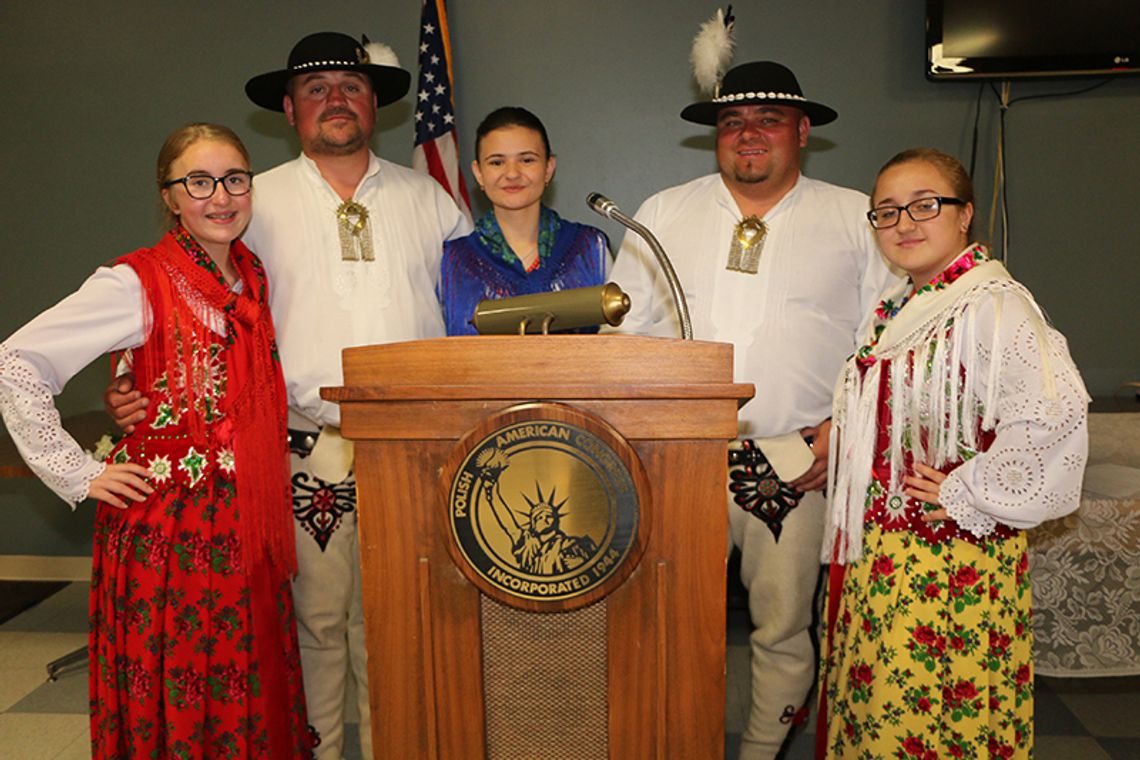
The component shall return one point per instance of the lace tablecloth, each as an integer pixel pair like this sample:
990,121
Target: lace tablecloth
1086,590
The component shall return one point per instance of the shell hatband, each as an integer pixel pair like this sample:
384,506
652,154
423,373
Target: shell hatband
311,64
762,95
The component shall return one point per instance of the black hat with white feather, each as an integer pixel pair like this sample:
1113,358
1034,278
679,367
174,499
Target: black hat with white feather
755,83
333,51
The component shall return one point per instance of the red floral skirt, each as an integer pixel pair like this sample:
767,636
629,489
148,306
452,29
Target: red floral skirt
193,654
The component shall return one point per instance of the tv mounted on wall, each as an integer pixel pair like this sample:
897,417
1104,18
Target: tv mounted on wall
1006,39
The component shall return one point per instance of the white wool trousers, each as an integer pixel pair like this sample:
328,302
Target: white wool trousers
330,614
780,577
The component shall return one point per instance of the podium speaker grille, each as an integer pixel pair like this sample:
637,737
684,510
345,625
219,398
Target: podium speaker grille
545,683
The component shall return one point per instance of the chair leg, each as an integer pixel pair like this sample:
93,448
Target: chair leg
58,666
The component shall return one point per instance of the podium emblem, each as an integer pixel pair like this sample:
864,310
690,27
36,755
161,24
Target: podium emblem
544,509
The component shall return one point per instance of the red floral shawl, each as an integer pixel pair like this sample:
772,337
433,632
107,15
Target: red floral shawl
181,285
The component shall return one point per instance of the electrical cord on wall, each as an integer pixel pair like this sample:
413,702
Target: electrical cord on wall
974,142
1000,188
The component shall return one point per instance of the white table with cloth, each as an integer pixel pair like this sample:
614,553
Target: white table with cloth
1086,566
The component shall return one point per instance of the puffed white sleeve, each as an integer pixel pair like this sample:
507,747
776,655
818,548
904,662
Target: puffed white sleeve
1032,471
105,314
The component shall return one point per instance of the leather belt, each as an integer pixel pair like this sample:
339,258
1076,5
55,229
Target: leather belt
302,441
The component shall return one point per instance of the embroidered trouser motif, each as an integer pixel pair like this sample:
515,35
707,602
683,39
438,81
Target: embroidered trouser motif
326,594
756,489
319,507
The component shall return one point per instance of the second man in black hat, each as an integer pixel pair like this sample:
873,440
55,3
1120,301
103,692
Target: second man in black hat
785,268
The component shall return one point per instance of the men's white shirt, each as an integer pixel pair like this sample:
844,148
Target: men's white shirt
322,303
794,322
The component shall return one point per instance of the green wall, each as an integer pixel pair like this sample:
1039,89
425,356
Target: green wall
89,91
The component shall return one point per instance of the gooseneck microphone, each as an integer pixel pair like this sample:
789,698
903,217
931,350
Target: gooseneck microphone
607,208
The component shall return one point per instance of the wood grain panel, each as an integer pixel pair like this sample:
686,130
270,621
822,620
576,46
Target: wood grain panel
665,623
495,359
661,419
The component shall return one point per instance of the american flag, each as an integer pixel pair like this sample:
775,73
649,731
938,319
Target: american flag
437,148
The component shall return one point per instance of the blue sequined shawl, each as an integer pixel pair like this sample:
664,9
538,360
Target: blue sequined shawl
477,267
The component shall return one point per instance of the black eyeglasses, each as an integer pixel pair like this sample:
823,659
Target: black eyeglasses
202,186
921,210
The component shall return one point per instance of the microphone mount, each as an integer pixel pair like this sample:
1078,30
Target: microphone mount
607,208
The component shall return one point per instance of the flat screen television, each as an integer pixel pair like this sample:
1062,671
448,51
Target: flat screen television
1006,39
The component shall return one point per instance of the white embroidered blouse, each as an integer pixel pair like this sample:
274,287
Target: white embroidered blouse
106,314
992,364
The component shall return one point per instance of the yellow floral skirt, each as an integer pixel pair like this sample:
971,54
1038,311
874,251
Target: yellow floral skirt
928,651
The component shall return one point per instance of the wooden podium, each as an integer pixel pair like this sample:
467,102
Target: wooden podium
634,668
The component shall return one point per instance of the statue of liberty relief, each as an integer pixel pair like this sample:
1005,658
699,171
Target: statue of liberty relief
539,544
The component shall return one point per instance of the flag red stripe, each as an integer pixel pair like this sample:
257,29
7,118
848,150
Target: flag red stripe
435,165
435,114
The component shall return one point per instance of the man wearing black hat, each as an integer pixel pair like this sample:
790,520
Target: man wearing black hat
352,245
785,268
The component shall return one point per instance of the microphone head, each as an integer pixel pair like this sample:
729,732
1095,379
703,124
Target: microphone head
601,204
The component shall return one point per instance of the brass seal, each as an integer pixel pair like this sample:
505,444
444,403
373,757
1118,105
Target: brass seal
543,509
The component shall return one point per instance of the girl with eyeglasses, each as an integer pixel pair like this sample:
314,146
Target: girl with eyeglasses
193,645
959,424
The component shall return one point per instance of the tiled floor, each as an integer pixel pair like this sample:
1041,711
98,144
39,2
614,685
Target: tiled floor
1077,719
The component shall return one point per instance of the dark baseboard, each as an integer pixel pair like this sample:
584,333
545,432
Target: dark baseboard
18,596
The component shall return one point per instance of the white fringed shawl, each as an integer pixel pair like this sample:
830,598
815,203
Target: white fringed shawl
940,325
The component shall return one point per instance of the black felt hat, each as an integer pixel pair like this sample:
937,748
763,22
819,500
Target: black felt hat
328,51
758,83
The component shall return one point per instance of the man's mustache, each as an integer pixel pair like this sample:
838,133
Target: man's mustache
338,111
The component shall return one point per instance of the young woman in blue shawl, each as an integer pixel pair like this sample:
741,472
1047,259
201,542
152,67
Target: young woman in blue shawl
520,246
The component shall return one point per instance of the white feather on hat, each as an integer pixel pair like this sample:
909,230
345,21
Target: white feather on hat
713,48
379,53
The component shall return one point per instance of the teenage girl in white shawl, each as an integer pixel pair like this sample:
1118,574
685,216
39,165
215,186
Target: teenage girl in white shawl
959,424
